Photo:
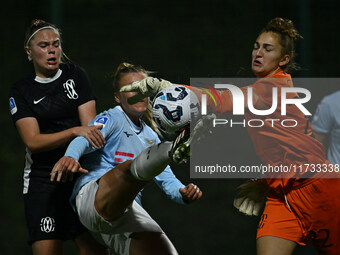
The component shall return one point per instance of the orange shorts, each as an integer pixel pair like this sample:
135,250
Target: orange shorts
311,214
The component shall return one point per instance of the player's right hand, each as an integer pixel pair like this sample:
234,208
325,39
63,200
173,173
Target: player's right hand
92,134
190,193
148,87
65,167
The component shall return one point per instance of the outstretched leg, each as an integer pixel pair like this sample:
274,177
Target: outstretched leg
118,188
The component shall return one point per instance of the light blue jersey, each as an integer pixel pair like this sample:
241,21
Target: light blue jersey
124,141
327,121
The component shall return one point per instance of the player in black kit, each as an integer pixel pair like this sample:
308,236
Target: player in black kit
50,107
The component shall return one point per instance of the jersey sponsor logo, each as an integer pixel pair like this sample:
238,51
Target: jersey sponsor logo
263,220
37,101
127,134
12,106
101,121
70,90
47,224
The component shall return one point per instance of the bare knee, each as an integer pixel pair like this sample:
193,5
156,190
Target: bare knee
271,245
151,243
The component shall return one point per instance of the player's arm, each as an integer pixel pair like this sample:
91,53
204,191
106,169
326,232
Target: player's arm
191,193
65,167
29,131
69,164
175,190
217,101
87,112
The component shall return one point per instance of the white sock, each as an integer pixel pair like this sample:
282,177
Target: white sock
151,161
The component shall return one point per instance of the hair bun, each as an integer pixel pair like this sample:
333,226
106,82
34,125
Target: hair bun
283,26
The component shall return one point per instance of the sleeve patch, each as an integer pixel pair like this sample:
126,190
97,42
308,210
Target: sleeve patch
100,121
12,106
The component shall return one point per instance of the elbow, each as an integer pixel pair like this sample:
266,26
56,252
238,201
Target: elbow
33,148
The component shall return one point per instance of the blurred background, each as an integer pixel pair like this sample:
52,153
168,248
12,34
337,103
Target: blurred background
178,40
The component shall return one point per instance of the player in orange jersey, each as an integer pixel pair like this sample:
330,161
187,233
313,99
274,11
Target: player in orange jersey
299,203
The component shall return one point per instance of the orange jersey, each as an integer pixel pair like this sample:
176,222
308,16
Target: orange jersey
274,143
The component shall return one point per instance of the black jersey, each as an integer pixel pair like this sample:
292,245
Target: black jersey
54,103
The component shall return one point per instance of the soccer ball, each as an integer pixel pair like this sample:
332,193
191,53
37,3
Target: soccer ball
174,108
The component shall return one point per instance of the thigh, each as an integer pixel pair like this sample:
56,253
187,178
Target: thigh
279,221
134,219
117,189
114,234
271,245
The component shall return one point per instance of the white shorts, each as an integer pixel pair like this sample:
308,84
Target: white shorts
114,234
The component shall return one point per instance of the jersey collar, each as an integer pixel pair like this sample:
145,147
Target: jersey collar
48,80
134,128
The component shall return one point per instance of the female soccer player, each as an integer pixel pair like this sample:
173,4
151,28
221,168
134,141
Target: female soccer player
326,126
50,107
301,205
104,195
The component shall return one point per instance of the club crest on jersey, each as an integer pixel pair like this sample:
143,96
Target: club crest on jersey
150,141
101,121
12,106
69,89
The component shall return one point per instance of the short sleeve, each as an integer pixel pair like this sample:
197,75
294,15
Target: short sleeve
111,123
18,105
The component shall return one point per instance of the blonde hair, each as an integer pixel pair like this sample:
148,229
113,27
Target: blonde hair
124,69
288,35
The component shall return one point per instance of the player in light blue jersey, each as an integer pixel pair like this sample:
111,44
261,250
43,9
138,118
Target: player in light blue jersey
326,124
104,195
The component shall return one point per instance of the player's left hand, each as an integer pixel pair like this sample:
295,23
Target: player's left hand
63,170
250,198
190,193
148,87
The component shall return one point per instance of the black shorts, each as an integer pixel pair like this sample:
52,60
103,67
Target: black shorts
49,215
